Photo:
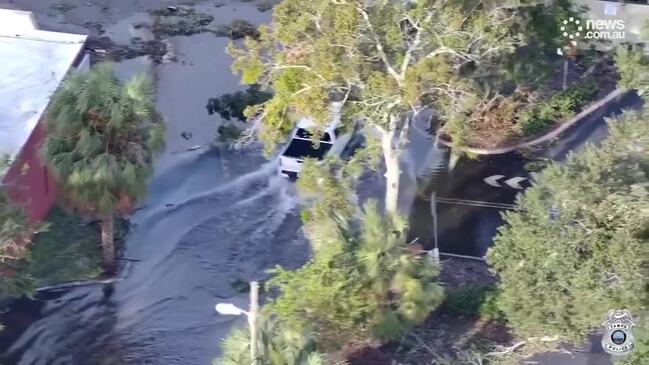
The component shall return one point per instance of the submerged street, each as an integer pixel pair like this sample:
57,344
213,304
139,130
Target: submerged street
232,226
215,217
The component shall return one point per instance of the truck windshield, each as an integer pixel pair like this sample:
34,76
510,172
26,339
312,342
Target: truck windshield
303,148
305,134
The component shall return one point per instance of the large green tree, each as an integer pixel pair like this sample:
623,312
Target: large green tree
384,61
578,244
101,138
361,283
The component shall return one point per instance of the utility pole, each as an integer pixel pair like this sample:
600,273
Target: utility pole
433,211
253,314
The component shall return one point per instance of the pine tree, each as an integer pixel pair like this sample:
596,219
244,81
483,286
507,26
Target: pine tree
101,138
362,282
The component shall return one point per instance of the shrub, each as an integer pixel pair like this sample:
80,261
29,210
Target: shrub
561,106
561,272
233,105
473,300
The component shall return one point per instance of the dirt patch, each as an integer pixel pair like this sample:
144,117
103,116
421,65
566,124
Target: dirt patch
457,272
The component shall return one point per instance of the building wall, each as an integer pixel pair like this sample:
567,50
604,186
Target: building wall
28,182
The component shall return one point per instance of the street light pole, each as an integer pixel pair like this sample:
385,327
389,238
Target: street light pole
433,211
229,309
252,320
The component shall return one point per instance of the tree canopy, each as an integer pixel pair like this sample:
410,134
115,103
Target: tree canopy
102,135
578,244
382,57
362,282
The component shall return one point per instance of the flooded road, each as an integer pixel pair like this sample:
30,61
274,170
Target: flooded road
212,216
233,225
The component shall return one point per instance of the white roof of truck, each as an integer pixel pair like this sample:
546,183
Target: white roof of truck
34,62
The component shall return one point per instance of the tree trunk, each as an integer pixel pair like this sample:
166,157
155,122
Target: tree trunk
107,244
391,141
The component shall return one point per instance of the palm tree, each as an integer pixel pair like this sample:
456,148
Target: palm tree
279,345
101,138
403,283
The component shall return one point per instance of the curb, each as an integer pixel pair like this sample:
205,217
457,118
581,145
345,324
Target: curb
546,137
78,283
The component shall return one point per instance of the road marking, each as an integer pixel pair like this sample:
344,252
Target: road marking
513,182
493,180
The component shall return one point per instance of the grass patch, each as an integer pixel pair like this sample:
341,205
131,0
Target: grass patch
70,250
473,301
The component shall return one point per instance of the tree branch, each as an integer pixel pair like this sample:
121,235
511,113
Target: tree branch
379,47
413,46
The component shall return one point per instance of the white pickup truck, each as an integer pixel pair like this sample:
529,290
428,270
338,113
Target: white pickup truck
332,142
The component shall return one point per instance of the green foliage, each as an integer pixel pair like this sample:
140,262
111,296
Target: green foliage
330,194
560,273
66,251
230,106
278,346
560,106
101,138
16,230
228,132
473,300
382,58
362,282
633,68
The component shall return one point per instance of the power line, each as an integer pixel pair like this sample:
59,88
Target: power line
475,203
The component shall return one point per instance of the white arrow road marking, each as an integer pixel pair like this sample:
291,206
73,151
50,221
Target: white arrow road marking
492,180
514,182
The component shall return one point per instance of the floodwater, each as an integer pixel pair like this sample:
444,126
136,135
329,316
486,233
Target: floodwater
192,247
212,216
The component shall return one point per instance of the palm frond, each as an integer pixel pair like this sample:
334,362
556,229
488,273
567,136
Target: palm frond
99,141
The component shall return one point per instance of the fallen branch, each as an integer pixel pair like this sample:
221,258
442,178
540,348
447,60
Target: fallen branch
507,350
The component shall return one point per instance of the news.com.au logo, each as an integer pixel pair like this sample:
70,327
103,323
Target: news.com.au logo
600,29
